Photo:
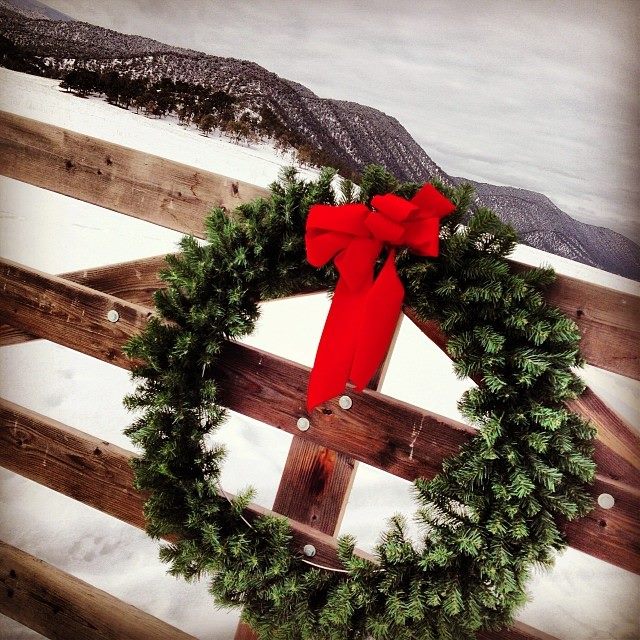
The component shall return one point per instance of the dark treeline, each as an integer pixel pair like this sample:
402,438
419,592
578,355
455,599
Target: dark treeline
241,119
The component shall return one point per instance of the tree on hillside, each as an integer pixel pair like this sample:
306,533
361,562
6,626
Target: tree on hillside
208,123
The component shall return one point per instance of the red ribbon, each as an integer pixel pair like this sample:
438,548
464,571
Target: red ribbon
364,312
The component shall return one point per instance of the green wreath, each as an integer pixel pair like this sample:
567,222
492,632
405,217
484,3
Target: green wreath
494,510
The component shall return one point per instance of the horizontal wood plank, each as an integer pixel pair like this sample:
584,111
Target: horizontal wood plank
76,316
98,474
135,281
391,435
60,606
148,187
177,196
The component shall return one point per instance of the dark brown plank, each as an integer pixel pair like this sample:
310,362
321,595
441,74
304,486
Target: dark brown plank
383,432
519,631
75,316
138,184
98,474
60,606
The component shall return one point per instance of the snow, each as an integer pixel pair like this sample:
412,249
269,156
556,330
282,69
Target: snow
582,598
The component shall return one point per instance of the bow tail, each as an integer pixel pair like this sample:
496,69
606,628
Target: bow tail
334,357
378,321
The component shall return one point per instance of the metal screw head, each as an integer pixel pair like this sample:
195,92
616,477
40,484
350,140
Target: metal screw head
303,423
345,402
606,500
309,550
113,315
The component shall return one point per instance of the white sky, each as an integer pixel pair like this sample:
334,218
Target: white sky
535,94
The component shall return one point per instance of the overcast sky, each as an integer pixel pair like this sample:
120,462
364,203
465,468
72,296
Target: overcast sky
535,94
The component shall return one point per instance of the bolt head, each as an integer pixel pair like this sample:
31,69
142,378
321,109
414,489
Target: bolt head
113,315
345,402
303,424
309,550
606,500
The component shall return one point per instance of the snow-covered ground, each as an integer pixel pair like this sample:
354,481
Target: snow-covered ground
582,598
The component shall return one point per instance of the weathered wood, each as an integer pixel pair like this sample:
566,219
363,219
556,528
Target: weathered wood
315,484
134,281
135,183
519,631
66,459
617,446
313,489
609,322
98,473
380,431
60,606
177,196
75,316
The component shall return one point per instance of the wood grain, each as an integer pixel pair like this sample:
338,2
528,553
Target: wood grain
316,482
391,435
30,443
609,322
60,606
138,184
75,316
177,196
99,474
618,444
134,281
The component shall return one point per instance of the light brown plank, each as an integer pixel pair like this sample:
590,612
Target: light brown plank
138,184
98,474
617,445
60,606
380,431
134,281
609,322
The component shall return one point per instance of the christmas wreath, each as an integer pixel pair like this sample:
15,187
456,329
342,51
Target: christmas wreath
493,512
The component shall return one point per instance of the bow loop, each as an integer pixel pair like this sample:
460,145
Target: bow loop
364,312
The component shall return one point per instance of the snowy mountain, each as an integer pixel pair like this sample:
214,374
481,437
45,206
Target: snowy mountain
350,135
34,9
55,233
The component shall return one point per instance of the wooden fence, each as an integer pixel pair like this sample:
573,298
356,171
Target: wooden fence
71,309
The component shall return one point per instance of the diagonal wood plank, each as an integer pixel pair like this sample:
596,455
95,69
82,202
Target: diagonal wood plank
99,474
60,606
138,184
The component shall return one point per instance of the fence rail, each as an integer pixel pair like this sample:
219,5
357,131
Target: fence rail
61,606
272,390
71,309
98,473
177,196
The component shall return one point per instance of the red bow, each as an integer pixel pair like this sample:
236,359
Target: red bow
364,313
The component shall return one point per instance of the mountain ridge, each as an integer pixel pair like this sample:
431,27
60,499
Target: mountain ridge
354,135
